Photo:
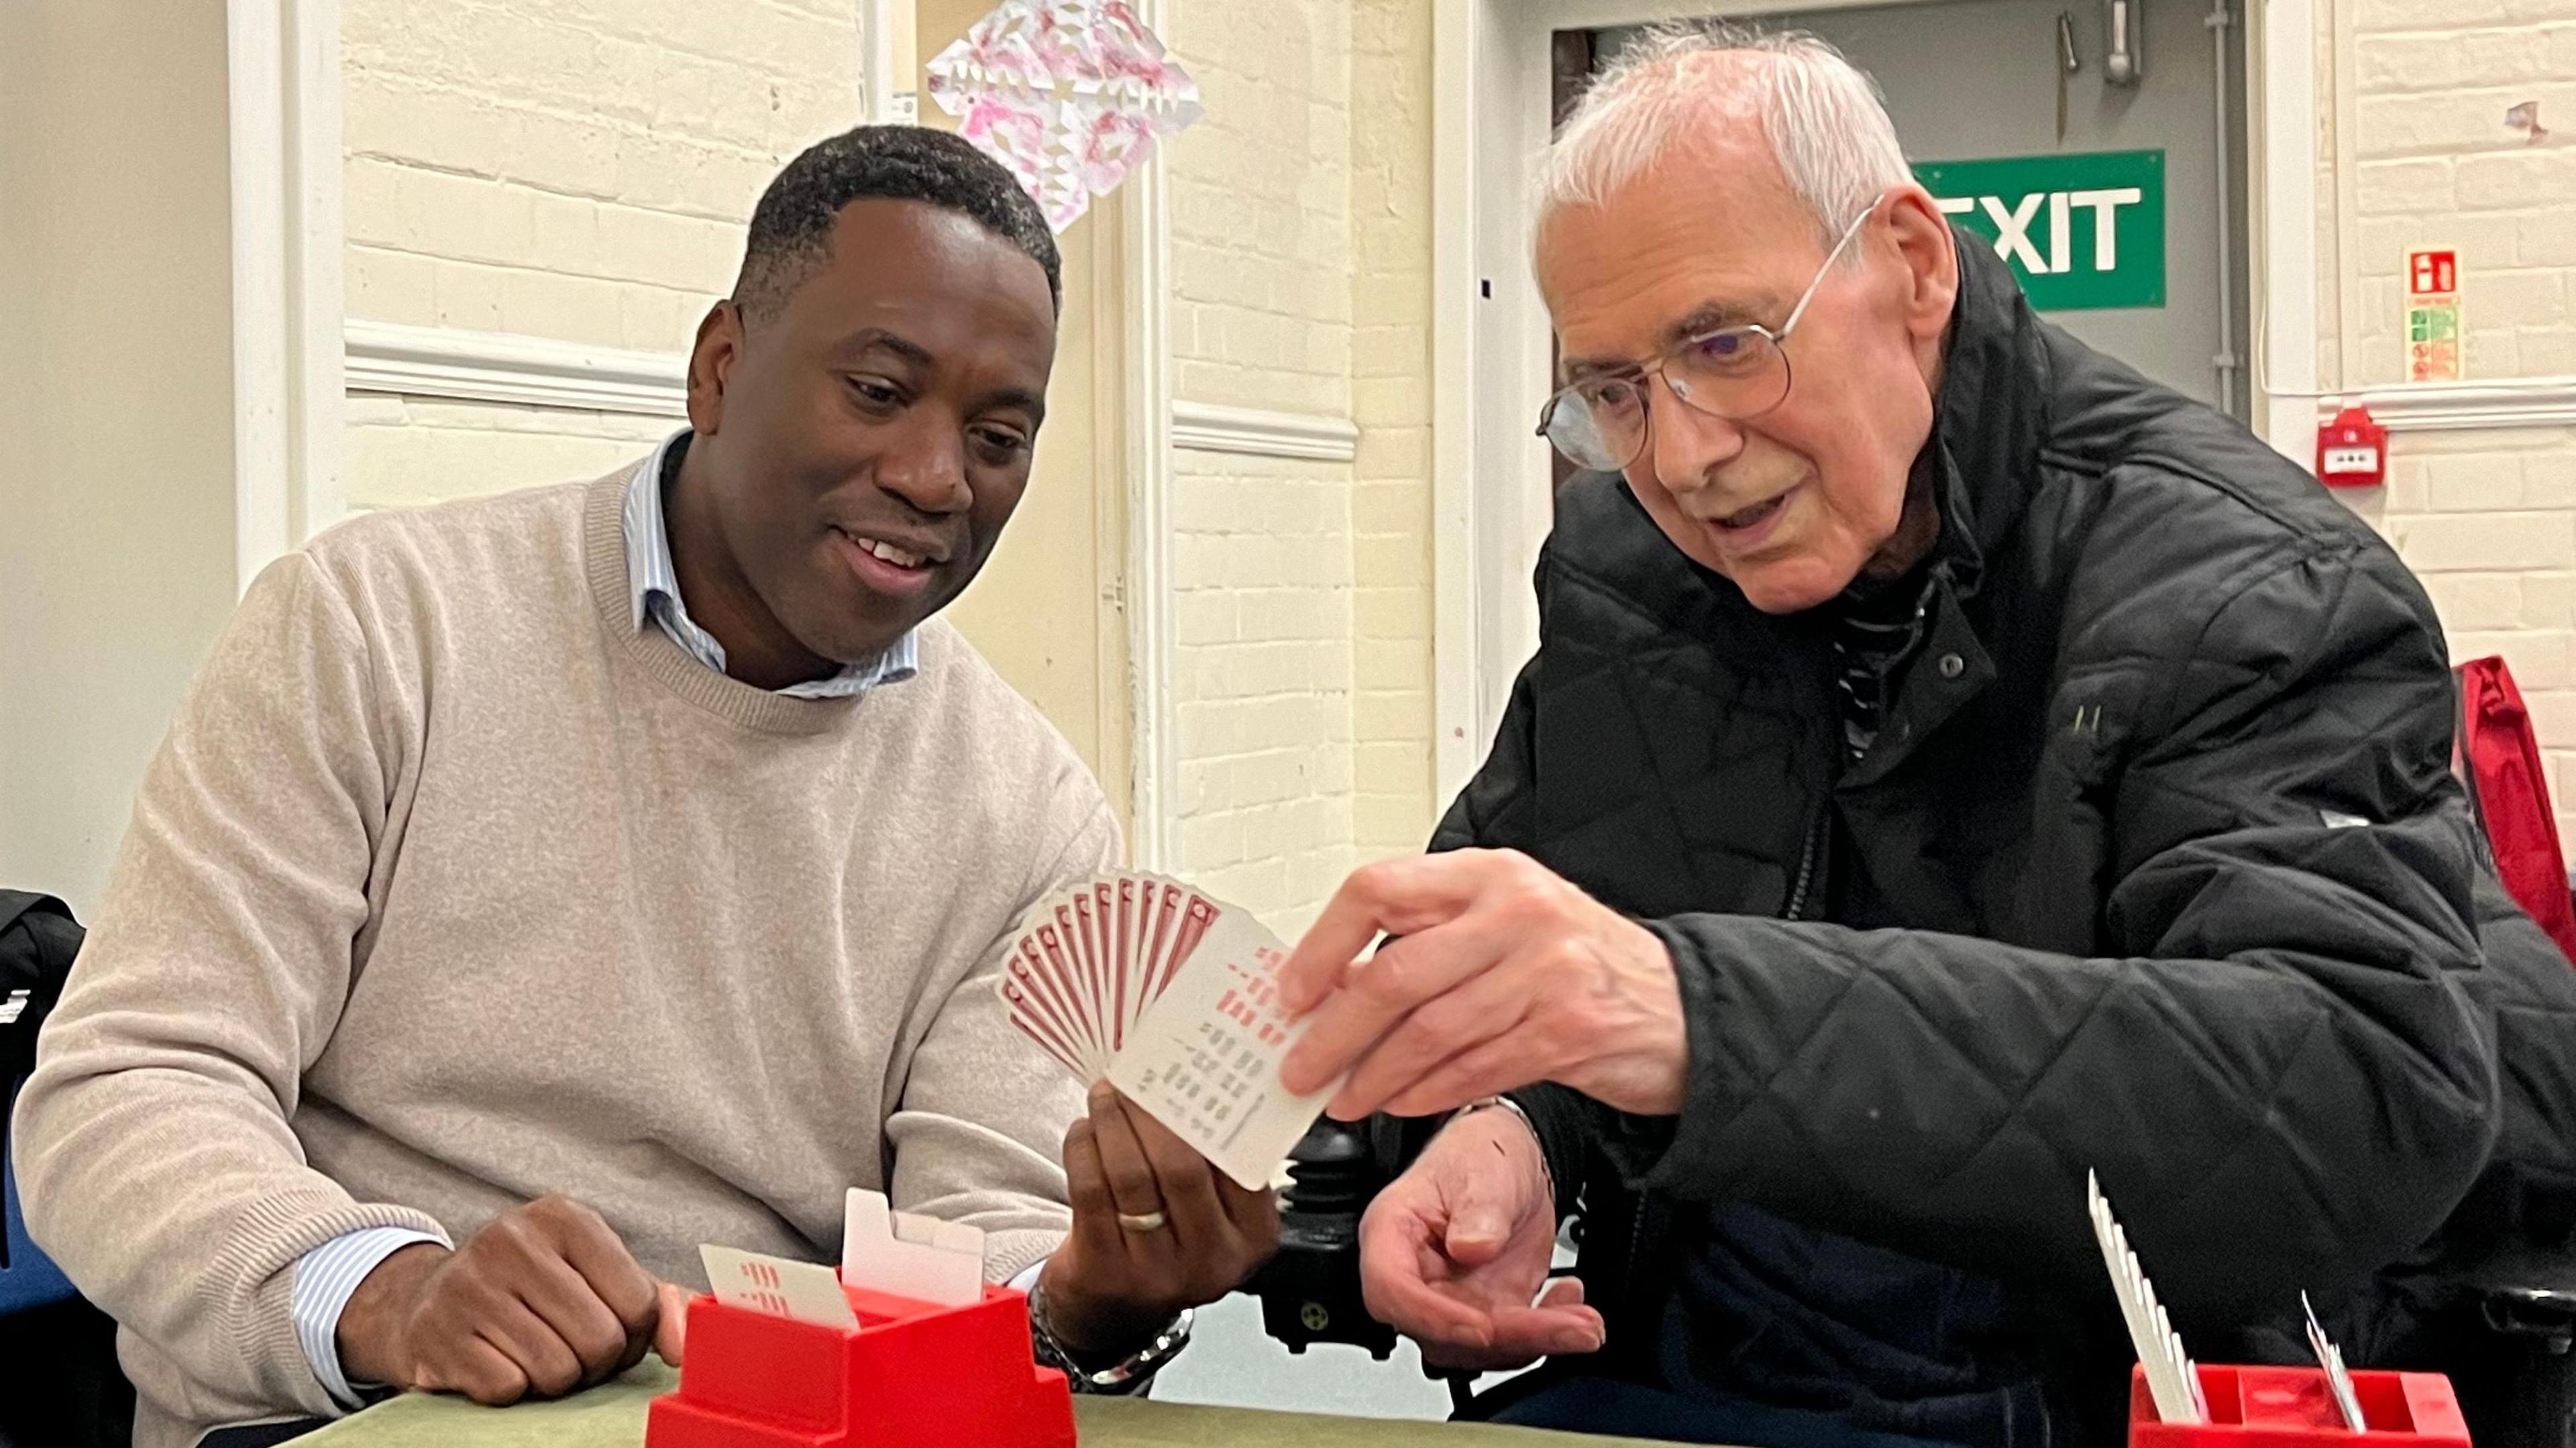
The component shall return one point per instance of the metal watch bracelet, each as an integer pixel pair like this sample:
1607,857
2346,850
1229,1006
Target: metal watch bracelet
1127,1375
1483,1103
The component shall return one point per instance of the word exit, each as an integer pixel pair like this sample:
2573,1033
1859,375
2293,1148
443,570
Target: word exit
2081,231
2012,226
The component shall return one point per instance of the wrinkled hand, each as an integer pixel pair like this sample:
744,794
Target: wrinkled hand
1505,975
1110,1287
542,1301
1453,1252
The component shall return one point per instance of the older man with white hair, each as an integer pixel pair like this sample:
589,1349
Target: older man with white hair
1952,764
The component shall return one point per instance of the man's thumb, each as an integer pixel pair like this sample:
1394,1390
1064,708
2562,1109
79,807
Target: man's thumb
671,1323
1478,1228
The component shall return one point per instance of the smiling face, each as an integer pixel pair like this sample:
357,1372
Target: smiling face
1791,504
858,453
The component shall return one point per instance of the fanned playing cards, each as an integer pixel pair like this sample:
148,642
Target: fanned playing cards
1171,996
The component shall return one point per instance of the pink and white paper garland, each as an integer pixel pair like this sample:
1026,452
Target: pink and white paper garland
1069,94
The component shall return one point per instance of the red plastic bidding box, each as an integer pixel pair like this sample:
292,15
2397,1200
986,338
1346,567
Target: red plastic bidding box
913,1375
2293,1408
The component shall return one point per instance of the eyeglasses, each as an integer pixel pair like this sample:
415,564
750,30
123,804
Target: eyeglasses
1734,373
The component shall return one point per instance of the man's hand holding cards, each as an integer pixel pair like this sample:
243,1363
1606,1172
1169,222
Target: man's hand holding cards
1172,997
1165,999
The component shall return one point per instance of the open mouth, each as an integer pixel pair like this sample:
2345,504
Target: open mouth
886,552
1753,517
886,568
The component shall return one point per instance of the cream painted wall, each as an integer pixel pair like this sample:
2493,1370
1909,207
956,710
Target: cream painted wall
116,490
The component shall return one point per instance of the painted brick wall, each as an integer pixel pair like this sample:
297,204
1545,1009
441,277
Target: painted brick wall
2486,518
578,170
1261,310
1302,271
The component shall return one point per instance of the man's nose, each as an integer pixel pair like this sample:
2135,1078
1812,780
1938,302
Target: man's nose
1689,445
924,463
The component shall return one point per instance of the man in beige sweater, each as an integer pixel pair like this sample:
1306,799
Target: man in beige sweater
535,888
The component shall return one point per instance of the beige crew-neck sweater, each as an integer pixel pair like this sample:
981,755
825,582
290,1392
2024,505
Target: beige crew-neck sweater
451,888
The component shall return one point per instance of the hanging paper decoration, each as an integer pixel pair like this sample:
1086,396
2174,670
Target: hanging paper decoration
1070,94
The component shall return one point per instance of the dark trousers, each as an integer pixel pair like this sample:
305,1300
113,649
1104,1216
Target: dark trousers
1633,1410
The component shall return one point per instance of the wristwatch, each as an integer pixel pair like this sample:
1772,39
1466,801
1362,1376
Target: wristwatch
1127,1375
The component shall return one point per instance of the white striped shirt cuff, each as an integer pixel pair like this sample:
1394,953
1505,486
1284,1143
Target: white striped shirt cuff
325,1278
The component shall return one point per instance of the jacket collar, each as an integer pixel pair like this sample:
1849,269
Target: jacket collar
1990,416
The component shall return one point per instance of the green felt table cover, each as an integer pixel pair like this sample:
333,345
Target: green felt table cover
612,1416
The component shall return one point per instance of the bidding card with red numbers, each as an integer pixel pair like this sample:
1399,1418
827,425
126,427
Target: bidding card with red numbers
1172,997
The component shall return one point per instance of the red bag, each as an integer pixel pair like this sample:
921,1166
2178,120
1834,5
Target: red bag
2495,755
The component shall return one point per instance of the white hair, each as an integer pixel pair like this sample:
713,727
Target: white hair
1825,119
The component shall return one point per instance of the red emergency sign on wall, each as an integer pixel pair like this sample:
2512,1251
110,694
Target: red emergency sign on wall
2432,271
2352,451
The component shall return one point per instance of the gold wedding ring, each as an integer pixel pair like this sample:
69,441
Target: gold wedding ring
1140,1221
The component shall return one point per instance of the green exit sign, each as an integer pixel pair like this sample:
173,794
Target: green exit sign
2082,231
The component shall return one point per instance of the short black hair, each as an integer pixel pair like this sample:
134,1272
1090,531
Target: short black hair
791,229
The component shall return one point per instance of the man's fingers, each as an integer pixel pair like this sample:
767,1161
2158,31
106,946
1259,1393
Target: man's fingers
1394,983
1506,1062
1122,1156
1086,1188
1412,1306
595,1251
1562,1292
1537,1331
1397,897
1186,1186
552,1367
1484,1009
474,1368
574,1310
1395,1246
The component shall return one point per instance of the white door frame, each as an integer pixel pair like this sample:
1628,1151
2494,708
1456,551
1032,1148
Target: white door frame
1489,343
284,102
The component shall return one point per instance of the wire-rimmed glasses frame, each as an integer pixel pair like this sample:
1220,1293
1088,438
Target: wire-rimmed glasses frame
1734,373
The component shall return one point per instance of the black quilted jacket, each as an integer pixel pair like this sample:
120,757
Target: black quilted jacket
2163,807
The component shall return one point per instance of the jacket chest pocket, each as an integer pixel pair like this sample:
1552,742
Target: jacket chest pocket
2073,810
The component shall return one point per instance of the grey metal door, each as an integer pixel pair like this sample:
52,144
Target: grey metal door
1978,79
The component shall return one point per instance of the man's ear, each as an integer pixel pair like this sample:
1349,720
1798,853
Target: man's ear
711,362
1926,245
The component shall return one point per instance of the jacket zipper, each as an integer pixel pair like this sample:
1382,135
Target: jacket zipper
1808,850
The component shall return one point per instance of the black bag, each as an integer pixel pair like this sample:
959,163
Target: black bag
38,938
59,1381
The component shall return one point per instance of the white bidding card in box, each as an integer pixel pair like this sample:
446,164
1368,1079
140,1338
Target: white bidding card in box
805,1291
909,1255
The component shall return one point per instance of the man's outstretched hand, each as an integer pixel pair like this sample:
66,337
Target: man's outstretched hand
1453,1252
1505,974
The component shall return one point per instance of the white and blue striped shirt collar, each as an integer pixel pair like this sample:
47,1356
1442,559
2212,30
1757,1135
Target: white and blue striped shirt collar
655,586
